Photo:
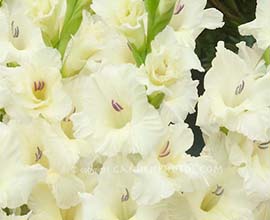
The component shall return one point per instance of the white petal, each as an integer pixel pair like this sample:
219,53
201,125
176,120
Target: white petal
66,189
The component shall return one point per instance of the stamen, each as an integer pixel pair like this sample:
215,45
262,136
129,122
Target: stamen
38,154
67,118
264,146
179,7
35,86
125,197
39,86
166,150
116,106
219,191
42,84
15,30
239,89
129,46
171,123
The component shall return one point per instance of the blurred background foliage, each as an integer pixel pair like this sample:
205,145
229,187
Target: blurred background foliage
236,12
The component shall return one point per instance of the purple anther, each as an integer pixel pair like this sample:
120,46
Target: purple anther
116,106
39,86
166,150
179,7
38,154
125,197
219,191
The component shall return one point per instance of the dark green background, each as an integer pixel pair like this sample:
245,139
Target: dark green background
236,12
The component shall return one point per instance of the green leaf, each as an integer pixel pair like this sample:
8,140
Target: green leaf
156,98
1,3
72,22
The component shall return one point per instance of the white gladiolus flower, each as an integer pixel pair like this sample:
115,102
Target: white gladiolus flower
48,15
223,199
170,169
256,174
249,157
92,46
17,179
36,88
94,97
19,36
42,205
167,69
115,202
116,116
127,16
55,152
190,19
260,27
253,163
236,97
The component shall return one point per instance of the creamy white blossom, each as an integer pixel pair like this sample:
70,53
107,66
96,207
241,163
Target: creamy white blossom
167,69
223,199
17,178
94,97
93,45
115,202
170,169
116,117
191,18
48,15
236,97
35,88
251,160
57,153
260,27
127,16
19,36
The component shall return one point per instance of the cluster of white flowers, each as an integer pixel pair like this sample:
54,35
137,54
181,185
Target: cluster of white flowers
93,99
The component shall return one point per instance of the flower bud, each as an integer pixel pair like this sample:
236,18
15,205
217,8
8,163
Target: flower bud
165,6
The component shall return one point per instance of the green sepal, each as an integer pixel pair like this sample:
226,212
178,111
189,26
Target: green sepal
156,98
47,40
138,54
266,56
2,114
12,64
156,21
224,130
